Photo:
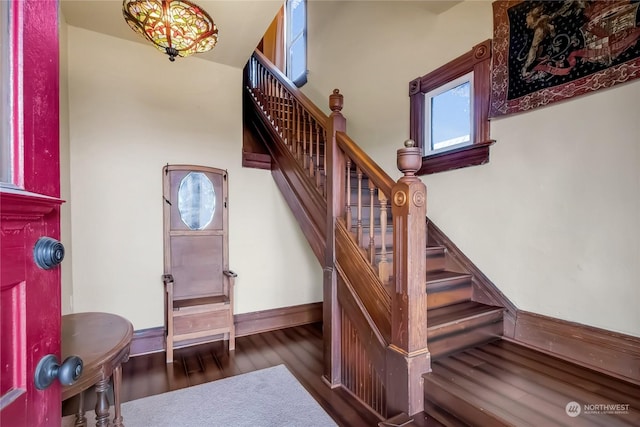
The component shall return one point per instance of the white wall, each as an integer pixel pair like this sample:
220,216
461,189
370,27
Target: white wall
65,183
553,219
131,112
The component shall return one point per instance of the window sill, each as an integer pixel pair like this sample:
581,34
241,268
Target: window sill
470,155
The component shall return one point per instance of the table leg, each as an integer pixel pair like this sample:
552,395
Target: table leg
81,420
102,403
117,381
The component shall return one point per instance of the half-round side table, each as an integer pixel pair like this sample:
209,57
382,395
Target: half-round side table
102,341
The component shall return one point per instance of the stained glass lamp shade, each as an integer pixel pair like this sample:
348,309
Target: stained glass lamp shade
175,27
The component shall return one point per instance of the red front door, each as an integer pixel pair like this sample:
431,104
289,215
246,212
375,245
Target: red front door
29,210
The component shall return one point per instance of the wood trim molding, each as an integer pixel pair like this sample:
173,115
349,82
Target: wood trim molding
605,351
254,150
478,60
471,155
22,205
151,340
277,318
147,341
256,160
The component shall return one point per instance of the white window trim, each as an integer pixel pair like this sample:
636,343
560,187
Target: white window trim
289,40
427,113
11,111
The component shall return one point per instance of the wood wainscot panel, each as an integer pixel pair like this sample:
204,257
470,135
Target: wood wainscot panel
356,269
605,351
151,340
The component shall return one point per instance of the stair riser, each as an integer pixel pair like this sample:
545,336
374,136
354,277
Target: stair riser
466,333
435,259
449,295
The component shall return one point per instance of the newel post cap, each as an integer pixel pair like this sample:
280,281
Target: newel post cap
409,158
336,101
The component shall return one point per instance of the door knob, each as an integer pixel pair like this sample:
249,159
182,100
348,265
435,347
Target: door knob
49,369
48,253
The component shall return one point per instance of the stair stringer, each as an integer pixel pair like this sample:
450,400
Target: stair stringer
307,205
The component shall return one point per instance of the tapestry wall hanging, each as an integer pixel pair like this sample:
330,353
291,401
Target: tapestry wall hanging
547,51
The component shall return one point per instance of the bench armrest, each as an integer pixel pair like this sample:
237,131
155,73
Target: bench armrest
229,273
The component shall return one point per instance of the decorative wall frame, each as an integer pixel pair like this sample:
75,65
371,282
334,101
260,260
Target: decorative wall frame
550,51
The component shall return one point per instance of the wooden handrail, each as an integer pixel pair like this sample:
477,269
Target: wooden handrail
297,93
370,168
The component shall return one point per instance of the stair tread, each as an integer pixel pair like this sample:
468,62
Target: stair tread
456,312
421,419
443,275
506,383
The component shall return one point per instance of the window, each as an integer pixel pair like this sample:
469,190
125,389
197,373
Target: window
449,112
6,155
296,41
448,115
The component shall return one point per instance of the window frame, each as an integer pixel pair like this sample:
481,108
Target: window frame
428,98
301,79
478,61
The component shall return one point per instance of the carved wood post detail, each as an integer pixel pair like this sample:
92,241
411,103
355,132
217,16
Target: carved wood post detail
407,356
334,166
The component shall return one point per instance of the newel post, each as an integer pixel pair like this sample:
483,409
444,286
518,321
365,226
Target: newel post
335,169
407,356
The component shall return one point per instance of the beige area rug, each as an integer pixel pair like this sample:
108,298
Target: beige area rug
264,398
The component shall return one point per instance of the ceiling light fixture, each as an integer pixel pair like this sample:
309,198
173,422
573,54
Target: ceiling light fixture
175,27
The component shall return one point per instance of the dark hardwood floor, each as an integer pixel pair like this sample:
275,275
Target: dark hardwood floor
298,348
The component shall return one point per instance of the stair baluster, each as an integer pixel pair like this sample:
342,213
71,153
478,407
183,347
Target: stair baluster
372,246
309,156
359,218
383,266
347,209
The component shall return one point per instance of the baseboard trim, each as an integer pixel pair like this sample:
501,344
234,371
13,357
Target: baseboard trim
147,341
605,351
151,340
277,318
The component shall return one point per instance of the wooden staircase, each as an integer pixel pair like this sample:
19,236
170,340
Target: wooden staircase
477,376
454,320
